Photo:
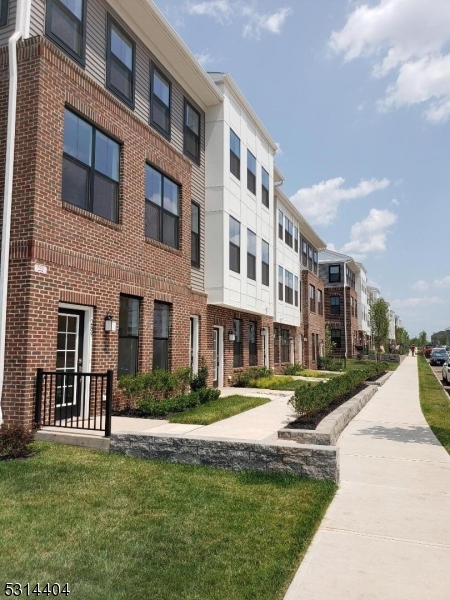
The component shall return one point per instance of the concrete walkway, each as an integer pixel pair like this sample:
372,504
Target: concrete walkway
386,535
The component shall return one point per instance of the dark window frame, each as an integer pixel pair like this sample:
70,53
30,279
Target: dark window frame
79,58
251,176
312,298
162,211
92,170
336,340
304,252
195,261
280,283
154,98
251,258
168,357
296,235
288,232
285,346
335,307
252,346
187,131
110,56
237,344
276,345
265,266
320,302
233,246
280,225
332,276
288,287
296,289
134,337
265,192
235,160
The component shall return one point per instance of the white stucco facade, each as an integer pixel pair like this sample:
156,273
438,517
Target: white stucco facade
228,196
363,304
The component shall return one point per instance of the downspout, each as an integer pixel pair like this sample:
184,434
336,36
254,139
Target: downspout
22,29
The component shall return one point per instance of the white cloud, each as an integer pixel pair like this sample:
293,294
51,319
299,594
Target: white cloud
408,36
331,246
279,151
369,235
204,58
420,286
395,202
320,203
415,302
255,22
442,283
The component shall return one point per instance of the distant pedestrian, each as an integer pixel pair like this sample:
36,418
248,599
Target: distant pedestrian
413,350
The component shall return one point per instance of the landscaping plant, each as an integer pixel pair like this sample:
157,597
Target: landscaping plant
245,378
15,441
295,369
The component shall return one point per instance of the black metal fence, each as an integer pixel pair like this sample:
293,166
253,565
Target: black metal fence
74,400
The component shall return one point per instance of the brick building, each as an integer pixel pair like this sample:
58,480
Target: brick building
108,194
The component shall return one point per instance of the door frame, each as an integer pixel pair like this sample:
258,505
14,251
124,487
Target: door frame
220,348
87,341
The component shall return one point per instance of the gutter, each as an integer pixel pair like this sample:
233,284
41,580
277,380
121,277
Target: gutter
22,30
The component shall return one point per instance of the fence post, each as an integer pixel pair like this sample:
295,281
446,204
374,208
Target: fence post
38,397
109,399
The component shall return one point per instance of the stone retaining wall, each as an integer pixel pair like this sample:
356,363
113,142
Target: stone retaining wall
311,461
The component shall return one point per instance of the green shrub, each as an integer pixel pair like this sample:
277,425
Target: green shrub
208,395
325,363
160,408
200,380
183,377
310,399
295,369
15,441
245,378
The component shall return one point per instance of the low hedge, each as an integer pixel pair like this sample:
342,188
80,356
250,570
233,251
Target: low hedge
327,363
160,408
245,378
309,399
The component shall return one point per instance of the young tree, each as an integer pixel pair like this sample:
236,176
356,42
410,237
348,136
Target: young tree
422,339
402,340
379,323
329,346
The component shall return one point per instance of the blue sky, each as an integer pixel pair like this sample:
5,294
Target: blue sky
357,94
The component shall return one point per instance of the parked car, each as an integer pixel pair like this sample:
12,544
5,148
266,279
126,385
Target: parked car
426,350
445,370
438,356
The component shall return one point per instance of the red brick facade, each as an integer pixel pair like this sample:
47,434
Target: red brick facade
337,321
90,261
313,320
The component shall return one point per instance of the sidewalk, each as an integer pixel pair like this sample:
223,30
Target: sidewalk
386,535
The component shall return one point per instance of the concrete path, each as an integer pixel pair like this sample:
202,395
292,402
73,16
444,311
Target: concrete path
386,535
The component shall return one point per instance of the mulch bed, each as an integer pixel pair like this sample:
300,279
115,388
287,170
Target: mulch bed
311,421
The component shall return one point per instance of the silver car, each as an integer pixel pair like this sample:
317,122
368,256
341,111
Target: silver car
445,371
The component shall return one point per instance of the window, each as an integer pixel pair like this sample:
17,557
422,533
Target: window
161,207
160,102
120,63
252,353
320,302
304,253
288,287
296,290
90,168
280,224
191,131
336,338
312,298
3,13
288,231
237,345
195,234
128,336
161,330
280,283
285,346
316,261
310,258
276,345
265,187
296,239
65,24
251,172
235,245
251,255
265,269
335,305
334,273
235,155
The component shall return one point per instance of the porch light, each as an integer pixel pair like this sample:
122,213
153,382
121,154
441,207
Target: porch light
110,323
232,335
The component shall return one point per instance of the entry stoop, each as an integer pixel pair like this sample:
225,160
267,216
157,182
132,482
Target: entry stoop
73,438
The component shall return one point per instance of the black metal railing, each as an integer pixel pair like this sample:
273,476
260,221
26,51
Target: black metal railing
74,400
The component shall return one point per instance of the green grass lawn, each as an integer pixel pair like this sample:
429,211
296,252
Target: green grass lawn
280,382
217,410
435,403
319,374
119,528
354,363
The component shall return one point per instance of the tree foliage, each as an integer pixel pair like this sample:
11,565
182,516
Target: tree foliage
402,339
422,339
379,323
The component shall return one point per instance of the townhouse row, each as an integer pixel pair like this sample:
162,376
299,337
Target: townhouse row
144,222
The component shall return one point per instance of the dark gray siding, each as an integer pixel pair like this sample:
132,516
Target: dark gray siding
97,11
8,29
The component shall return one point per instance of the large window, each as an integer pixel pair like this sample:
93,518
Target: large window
285,345
296,239
265,268
90,168
334,273
251,255
276,345
280,224
265,187
235,154
304,253
191,131
3,13
128,336
120,63
237,345
235,245
161,207
161,331
335,305
288,231
195,234
288,287
312,298
320,302
316,261
160,102
252,352
336,338
280,283
296,290
251,172
65,24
